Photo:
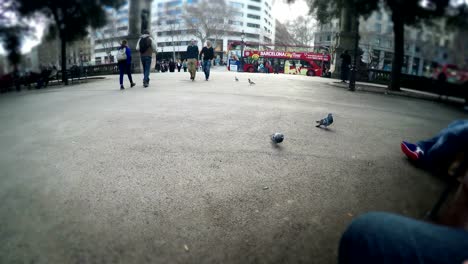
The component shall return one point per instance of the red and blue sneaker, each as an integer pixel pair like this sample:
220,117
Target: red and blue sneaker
412,151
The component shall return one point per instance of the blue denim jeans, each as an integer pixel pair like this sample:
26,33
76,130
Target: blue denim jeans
146,61
446,144
387,238
206,68
125,67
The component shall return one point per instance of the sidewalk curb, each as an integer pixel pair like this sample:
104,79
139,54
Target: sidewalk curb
403,93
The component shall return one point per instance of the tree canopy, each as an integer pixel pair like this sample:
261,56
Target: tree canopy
403,12
70,19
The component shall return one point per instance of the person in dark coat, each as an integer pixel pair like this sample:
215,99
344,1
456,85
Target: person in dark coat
345,63
172,66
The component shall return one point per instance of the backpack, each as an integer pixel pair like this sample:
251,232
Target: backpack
144,44
121,54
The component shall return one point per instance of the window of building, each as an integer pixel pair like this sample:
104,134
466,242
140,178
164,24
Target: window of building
251,7
377,41
236,5
378,27
379,15
417,49
328,37
252,25
237,14
174,3
253,16
236,23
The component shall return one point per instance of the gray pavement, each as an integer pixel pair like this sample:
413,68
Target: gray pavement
177,173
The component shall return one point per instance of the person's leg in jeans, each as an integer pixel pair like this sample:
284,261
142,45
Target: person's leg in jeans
144,62
122,72
444,144
146,68
387,238
207,67
449,142
128,68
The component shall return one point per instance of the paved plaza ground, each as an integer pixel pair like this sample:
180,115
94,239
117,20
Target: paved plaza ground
185,172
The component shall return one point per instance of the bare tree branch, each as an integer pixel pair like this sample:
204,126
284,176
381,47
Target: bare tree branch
208,20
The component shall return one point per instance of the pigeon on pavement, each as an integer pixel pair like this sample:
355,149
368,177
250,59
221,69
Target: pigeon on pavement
251,83
236,78
277,138
326,121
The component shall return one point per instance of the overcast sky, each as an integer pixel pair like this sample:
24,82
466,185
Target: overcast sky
284,12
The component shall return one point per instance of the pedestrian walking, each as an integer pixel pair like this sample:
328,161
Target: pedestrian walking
147,46
184,65
179,65
207,55
172,66
157,67
124,59
345,63
192,59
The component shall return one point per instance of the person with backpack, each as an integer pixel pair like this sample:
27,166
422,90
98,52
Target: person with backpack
124,58
146,46
184,65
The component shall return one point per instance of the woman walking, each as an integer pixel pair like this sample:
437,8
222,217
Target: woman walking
124,58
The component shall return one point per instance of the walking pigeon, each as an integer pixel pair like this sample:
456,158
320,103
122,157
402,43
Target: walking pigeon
236,78
326,121
277,138
251,83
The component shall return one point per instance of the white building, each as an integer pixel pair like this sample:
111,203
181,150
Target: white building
253,17
107,39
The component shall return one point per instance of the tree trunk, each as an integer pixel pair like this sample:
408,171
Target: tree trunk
399,52
63,44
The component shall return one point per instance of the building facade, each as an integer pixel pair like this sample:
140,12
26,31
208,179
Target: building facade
424,46
107,40
252,17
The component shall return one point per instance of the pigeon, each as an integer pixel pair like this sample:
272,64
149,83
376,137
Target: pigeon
277,138
251,83
236,78
326,121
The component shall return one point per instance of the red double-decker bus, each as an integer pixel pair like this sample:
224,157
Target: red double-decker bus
288,62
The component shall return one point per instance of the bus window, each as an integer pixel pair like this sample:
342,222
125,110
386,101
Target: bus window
305,64
318,62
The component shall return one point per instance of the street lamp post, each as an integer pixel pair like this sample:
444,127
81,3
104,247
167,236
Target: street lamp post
242,51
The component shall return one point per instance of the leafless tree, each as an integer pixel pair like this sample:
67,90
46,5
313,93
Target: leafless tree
283,37
208,20
170,25
302,30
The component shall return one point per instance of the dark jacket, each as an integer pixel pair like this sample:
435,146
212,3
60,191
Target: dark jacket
208,53
345,59
192,52
151,43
